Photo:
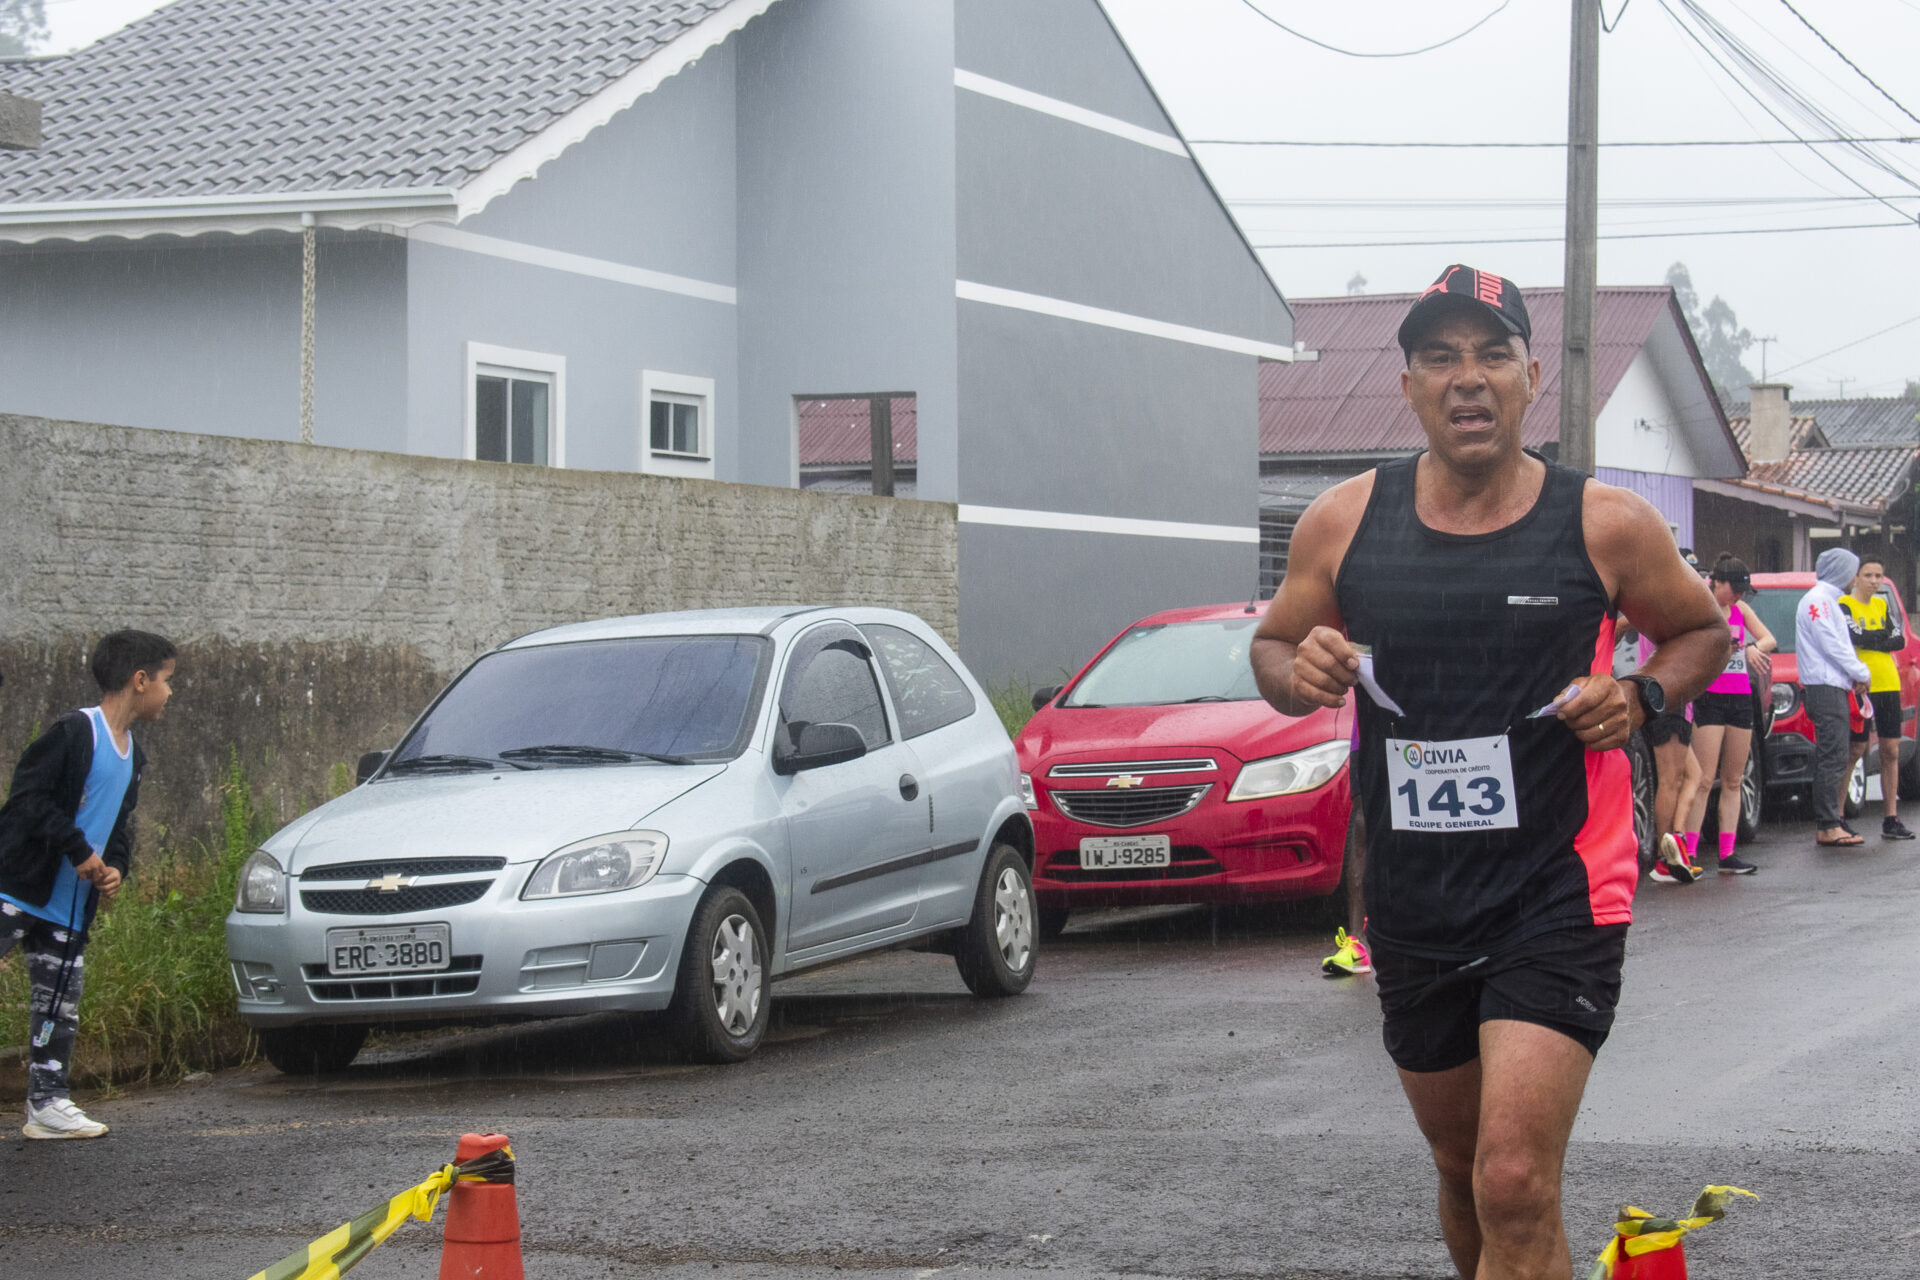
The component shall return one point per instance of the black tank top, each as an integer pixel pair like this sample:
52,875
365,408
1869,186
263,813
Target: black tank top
1470,634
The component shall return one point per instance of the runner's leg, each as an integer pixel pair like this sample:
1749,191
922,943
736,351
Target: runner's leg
1890,777
1447,1106
1532,1081
1706,752
1670,774
51,948
1733,773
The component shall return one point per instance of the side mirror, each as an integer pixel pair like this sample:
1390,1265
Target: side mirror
1041,697
821,745
369,765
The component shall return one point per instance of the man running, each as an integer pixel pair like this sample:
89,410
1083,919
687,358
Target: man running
1471,588
1876,638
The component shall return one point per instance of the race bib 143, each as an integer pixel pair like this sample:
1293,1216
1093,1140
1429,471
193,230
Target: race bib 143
1465,784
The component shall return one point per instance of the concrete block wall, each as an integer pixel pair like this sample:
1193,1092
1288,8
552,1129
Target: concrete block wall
322,596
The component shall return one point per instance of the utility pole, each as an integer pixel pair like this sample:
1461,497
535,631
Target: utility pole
307,233
880,424
1583,216
1763,355
1842,384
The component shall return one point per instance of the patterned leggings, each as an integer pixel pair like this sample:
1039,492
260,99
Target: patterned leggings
50,1050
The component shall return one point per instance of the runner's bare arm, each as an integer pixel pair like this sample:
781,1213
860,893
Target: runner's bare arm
1641,568
1301,658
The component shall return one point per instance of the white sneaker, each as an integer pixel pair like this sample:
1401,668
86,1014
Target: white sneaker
60,1119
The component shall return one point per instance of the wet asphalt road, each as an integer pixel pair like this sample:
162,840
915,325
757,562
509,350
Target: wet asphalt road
1178,1094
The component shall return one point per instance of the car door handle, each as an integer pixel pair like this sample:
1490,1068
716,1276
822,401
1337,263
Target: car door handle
909,787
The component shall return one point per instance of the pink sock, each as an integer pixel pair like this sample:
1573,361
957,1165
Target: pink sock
1726,845
1692,840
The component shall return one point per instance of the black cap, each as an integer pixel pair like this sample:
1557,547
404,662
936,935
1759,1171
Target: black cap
1458,283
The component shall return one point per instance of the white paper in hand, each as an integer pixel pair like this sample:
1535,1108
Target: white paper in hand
1371,685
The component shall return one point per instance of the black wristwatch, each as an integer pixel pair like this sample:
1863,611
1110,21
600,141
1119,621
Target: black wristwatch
1653,699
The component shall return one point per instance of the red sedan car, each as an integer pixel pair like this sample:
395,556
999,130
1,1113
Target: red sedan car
1159,775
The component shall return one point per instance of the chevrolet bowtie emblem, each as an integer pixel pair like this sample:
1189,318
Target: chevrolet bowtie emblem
392,882
1124,781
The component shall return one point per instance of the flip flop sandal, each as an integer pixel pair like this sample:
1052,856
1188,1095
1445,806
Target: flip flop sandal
1853,843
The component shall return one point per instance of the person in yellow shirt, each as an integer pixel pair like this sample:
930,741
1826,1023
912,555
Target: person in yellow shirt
1876,638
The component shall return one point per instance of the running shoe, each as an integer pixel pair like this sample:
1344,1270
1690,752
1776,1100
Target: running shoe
60,1119
1665,872
1349,956
1734,865
1894,829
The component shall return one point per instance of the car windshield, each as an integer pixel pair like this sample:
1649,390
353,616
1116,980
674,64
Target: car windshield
1165,663
596,702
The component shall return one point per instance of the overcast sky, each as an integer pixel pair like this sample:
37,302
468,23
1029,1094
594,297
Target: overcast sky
1225,72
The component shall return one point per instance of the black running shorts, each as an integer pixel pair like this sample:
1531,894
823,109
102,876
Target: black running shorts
1567,980
1666,727
1885,720
1734,710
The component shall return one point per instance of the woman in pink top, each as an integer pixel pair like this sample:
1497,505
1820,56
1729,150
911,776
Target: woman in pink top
1723,715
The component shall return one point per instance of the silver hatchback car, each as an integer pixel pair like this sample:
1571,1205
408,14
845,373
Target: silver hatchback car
652,813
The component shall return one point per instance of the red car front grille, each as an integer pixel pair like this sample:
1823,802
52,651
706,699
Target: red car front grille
1128,808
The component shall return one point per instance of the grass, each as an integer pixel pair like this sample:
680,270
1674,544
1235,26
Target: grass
159,1002
1014,703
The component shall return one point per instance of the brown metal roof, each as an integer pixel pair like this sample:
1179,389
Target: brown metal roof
841,431
1349,400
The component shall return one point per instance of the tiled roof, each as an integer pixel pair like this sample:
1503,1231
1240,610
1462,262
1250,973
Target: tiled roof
1349,400
1803,432
232,97
1888,420
1864,477
841,431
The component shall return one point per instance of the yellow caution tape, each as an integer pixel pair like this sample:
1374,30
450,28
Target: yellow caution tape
1637,1231
338,1251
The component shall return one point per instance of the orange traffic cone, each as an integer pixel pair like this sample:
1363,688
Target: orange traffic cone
483,1219
1659,1264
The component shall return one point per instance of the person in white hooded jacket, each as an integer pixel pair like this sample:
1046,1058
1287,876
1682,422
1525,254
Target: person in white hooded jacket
1828,669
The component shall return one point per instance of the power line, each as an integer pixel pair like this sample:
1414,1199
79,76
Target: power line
1550,202
1850,62
1846,345
1630,235
1556,146
1352,53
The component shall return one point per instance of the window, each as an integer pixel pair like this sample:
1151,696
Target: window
829,681
1276,540
516,406
676,424
927,693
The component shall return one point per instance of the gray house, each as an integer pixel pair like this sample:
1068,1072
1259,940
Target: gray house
639,234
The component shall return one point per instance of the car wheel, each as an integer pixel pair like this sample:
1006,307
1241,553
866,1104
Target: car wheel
1856,790
1053,922
1645,783
311,1051
1753,794
720,1001
996,954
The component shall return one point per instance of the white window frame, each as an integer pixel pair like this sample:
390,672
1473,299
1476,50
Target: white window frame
484,357
677,388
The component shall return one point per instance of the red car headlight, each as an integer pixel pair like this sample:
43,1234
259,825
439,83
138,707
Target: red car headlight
1293,772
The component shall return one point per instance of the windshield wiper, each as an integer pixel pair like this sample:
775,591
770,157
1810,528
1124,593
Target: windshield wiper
453,762
1207,697
593,755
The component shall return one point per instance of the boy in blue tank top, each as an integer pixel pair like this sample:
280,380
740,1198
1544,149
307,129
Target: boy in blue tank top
65,845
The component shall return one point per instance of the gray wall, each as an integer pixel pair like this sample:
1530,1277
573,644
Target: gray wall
322,595
653,188
846,247
204,335
1062,416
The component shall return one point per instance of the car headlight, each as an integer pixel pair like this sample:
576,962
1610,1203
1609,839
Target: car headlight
1295,771
263,885
1786,699
1026,791
602,864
